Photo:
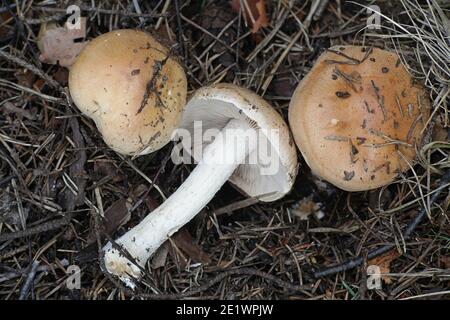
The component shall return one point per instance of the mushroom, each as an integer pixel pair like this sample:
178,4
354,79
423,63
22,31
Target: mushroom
358,117
245,124
133,89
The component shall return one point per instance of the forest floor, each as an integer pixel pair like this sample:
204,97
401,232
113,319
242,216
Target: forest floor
57,175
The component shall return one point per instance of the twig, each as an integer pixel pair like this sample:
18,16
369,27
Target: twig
241,204
48,226
7,7
28,282
180,28
380,99
13,273
151,85
243,271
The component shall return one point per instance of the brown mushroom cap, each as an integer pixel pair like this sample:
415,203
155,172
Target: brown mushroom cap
109,81
358,117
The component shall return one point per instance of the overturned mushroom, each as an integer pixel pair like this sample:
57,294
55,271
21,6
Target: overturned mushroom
252,148
132,88
358,117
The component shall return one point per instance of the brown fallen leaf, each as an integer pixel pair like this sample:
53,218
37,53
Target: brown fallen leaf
25,77
115,216
39,84
160,257
184,241
106,168
151,203
54,123
384,263
61,76
57,44
255,13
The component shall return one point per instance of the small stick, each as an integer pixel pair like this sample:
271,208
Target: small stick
151,85
318,14
28,282
12,273
48,226
351,61
243,271
337,138
380,99
349,79
240,204
138,10
413,127
399,105
180,29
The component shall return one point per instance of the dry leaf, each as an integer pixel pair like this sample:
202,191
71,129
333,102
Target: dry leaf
255,13
151,203
106,168
115,216
39,84
25,77
160,257
184,241
57,44
283,86
384,263
61,76
177,256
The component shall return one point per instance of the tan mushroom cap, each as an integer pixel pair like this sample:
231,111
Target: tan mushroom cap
109,80
358,117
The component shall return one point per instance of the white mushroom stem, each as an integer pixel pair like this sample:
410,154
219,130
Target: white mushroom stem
220,159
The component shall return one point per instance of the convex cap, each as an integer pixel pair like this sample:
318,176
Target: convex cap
358,117
133,89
